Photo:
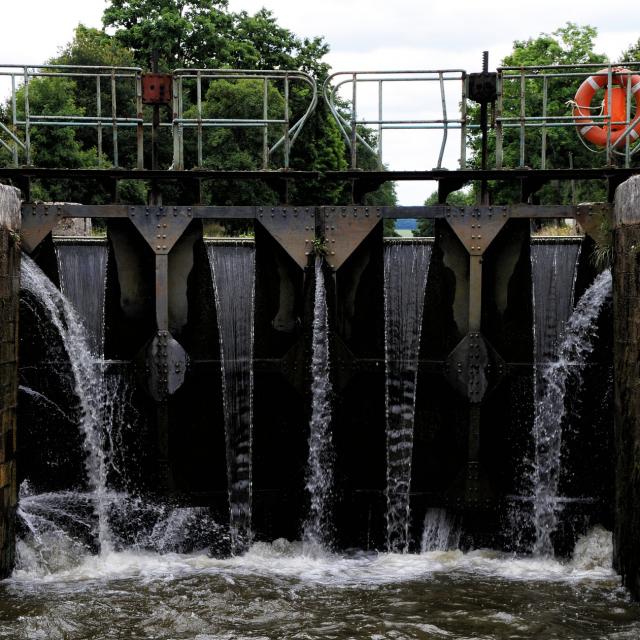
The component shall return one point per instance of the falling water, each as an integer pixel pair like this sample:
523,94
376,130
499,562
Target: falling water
553,271
83,270
406,268
316,529
550,409
440,532
233,273
88,384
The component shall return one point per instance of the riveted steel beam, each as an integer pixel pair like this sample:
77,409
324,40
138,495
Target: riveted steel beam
293,228
476,227
344,228
38,221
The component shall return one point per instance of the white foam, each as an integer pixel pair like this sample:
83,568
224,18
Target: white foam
591,562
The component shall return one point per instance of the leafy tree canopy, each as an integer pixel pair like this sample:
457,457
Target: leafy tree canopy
568,45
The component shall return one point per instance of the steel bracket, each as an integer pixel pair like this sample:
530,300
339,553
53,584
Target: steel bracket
345,228
161,227
447,186
474,367
38,221
476,227
293,228
165,363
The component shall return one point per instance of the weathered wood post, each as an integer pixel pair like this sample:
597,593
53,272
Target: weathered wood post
9,305
626,313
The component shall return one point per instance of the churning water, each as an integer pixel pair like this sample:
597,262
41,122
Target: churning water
277,591
406,267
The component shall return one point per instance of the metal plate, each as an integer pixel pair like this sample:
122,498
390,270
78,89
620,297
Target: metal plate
161,227
293,228
345,228
476,227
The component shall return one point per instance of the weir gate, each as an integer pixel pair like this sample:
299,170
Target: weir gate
167,294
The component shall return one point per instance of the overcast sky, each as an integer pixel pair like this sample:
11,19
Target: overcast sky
364,35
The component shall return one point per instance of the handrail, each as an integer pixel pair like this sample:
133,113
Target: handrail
349,125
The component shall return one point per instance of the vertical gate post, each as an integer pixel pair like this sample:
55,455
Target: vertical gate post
626,333
9,306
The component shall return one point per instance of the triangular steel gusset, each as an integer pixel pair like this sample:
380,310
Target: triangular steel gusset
38,221
344,230
161,227
293,228
476,227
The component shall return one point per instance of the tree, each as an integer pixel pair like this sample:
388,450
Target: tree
568,45
425,226
197,34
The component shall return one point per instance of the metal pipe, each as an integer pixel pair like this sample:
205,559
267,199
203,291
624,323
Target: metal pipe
114,130
140,124
522,118
27,131
499,131
380,120
608,98
14,115
265,130
354,139
543,150
445,129
463,120
199,107
99,115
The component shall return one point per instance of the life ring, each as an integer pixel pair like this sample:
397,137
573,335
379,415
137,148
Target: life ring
582,107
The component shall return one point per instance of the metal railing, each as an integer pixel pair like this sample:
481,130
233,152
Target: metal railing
345,112
111,111
519,88
289,124
531,102
16,136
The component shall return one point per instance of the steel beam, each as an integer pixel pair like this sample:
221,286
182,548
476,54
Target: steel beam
344,228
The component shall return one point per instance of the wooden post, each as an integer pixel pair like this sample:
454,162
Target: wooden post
626,313
9,306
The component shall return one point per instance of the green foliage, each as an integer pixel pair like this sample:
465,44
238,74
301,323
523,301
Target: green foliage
571,44
192,34
425,226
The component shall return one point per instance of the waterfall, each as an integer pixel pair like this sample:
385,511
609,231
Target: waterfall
553,271
572,352
83,272
317,527
233,274
88,384
440,532
406,268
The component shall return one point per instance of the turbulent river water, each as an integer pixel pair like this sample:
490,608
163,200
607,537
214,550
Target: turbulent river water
276,591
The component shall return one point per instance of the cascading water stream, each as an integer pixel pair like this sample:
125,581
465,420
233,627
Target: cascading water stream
550,408
88,384
317,527
553,272
406,269
82,266
233,274
440,532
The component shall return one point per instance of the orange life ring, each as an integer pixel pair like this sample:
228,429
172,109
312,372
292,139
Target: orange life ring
586,126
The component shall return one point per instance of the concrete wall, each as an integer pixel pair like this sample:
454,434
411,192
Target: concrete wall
626,311
9,304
